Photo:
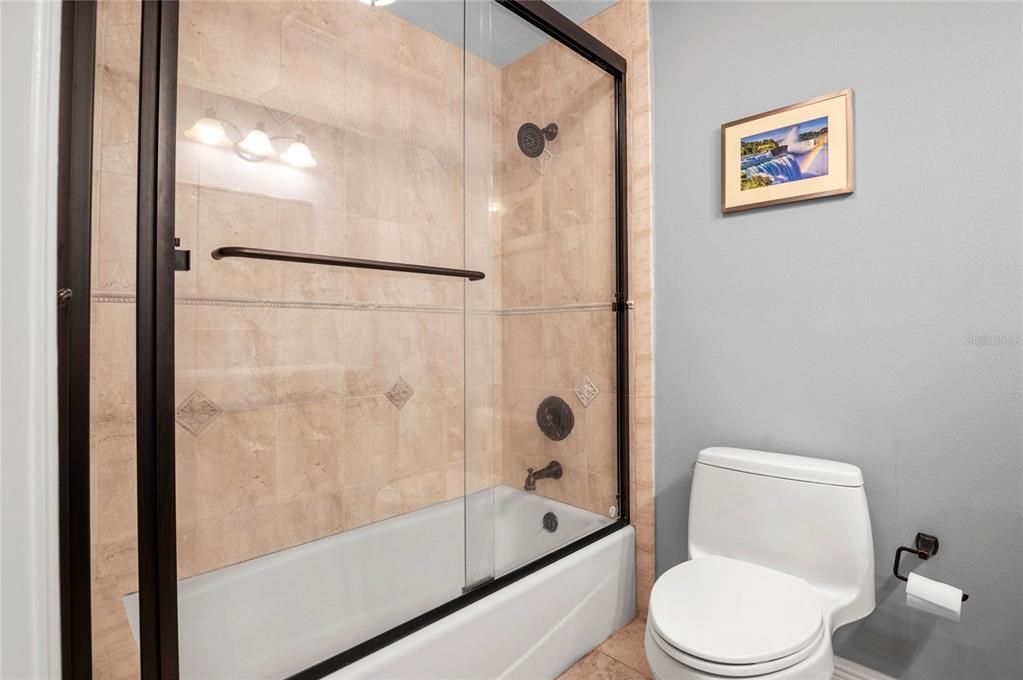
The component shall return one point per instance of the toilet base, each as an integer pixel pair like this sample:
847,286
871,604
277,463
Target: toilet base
820,665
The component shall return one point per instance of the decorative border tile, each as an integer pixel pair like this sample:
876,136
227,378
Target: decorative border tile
129,298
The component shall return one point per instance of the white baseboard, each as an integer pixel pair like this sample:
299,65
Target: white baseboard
850,670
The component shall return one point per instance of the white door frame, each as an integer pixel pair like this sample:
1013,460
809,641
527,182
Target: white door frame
29,540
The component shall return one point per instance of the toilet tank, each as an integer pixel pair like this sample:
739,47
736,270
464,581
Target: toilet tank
803,516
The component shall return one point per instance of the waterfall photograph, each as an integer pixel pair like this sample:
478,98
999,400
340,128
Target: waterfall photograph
765,157
786,154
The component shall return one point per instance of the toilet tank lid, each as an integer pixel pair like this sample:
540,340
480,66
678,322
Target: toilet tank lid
782,465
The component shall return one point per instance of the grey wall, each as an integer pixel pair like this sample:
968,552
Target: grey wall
838,328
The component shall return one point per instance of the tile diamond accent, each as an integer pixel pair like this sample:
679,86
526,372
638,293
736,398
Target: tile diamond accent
586,390
541,162
196,413
278,105
400,393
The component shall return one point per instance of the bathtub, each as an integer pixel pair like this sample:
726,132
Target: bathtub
278,614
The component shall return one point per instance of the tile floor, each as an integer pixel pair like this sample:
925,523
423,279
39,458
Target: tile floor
621,657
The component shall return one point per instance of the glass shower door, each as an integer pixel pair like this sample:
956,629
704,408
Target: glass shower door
400,226
482,298
321,436
554,200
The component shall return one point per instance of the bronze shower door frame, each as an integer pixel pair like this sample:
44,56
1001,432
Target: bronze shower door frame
157,535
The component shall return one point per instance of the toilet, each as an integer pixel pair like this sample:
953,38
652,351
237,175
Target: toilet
780,556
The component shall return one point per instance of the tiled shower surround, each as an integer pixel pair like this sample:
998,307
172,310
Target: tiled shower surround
557,264
314,400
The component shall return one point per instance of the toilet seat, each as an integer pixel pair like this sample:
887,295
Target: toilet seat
733,618
736,670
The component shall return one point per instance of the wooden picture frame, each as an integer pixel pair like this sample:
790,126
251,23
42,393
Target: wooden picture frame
795,153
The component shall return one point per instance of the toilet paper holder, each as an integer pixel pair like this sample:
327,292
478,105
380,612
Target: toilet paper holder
926,546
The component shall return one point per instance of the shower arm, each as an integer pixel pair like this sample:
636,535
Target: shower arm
334,261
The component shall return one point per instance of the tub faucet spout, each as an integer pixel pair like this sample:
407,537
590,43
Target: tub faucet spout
551,471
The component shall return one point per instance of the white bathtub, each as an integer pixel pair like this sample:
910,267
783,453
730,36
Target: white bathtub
275,615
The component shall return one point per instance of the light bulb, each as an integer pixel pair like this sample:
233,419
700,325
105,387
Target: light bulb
257,143
298,154
208,130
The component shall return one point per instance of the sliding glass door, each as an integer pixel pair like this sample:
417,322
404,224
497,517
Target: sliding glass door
321,407
358,322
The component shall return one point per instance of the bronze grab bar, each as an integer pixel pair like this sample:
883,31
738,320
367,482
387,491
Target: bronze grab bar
334,261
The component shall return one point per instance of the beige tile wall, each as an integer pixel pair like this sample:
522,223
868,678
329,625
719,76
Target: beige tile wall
557,245
112,397
298,360
625,27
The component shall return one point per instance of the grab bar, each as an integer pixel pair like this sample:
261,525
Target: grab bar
333,261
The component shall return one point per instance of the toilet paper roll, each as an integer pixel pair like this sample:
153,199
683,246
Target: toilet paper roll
933,596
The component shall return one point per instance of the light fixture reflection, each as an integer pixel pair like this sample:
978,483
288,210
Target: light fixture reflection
257,143
208,130
256,147
298,154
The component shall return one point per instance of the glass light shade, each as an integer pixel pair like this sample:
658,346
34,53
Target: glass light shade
257,143
298,155
208,130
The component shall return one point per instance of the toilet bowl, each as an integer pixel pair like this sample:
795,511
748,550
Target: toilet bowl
781,554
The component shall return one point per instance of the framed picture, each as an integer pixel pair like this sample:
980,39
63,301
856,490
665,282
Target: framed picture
794,153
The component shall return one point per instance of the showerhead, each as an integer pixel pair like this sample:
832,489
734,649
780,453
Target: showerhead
532,139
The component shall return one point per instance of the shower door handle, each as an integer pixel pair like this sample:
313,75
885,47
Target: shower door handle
336,261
